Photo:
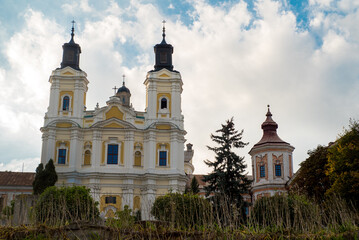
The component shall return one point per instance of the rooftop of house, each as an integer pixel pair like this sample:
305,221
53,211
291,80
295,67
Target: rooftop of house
16,178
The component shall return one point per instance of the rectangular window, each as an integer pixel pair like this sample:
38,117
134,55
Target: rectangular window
163,57
62,156
110,200
262,171
112,154
163,158
278,170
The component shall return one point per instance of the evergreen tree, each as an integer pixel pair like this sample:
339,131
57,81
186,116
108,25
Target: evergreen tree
50,177
194,186
44,177
228,178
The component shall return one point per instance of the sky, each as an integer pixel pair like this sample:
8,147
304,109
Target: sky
235,57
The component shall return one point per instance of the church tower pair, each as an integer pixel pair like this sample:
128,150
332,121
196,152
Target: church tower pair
126,157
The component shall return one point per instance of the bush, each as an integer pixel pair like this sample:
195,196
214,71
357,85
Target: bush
61,205
286,212
182,210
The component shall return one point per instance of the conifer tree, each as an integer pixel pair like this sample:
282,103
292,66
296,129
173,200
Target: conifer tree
44,178
194,186
228,178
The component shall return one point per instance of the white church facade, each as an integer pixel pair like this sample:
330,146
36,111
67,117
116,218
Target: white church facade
126,157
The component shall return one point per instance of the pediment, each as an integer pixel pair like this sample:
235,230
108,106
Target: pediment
114,112
113,123
62,123
68,71
164,75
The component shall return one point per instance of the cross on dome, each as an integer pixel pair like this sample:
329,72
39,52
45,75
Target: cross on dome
123,79
115,88
73,30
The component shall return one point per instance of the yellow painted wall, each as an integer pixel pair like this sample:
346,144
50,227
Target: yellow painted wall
103,203
114,112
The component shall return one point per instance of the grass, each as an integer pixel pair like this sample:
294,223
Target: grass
279,217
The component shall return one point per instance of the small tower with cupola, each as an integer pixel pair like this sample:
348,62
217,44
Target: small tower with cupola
164,87
272,162
66,108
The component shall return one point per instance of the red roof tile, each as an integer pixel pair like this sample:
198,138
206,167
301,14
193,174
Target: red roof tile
16,178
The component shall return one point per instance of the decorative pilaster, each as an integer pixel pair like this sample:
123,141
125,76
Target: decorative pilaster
149,196
129,141
96,149
75,153
51,148
176,101
54,98
152,99
150,150
127,194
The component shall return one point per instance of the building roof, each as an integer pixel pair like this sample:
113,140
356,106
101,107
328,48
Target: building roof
270,135
16,178
201,183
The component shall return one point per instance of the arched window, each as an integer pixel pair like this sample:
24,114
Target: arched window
163,103
65,103
87,157
136,203
137,158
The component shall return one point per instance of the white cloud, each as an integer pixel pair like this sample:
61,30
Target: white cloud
74,7
20,165
171,6
232,64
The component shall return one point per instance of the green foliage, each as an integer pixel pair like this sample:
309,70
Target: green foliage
282,211
44,178
8,211
60,205
182,210
343,165
194,186
228,178
311,179
124,219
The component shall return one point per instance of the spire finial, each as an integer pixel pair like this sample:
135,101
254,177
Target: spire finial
73,30
164,29
269,114
123,79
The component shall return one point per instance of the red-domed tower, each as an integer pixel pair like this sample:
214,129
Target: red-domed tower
272,162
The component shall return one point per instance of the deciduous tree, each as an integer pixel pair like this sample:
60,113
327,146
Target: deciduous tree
311,179
343,164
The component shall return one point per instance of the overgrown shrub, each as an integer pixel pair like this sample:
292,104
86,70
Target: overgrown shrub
182,210
61,205
123,219
284,211
298,214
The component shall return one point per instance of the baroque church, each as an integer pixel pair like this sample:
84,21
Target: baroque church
129,157
126,157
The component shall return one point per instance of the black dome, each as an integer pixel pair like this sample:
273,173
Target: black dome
123,89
